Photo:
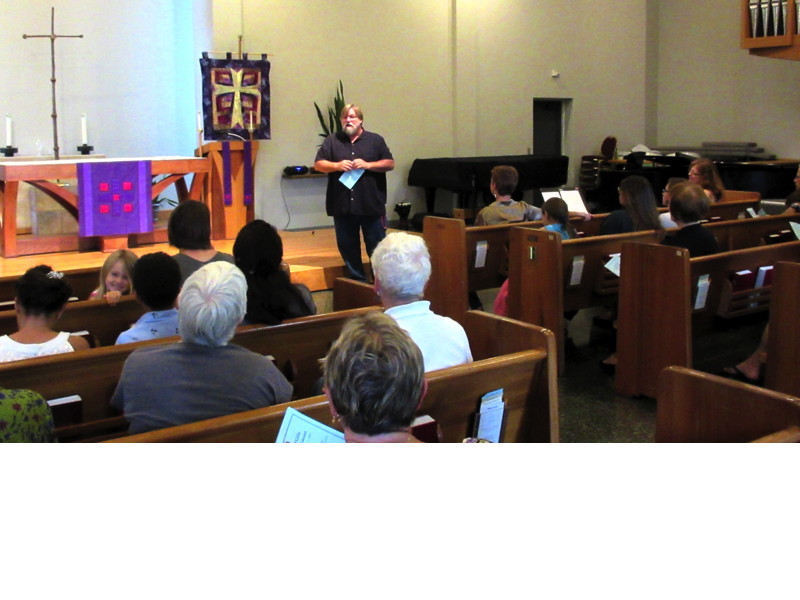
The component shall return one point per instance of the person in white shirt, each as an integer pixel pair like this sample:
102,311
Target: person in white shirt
401,265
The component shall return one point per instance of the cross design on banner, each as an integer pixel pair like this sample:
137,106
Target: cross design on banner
237,93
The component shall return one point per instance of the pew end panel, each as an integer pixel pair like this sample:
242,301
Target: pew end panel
699,407
783,342
654,322
536,289
447,288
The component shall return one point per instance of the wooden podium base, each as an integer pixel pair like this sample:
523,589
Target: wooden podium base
227,220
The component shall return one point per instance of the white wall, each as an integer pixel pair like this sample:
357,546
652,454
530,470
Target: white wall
131,73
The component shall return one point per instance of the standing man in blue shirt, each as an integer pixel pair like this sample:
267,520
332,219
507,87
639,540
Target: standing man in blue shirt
356,162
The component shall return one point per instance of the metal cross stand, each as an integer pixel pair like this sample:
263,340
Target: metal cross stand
52,37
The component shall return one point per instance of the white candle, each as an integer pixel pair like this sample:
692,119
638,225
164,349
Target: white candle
9,137
199,121
84,131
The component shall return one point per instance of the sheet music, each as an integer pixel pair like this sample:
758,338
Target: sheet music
547,194
574,201
795,228
298,428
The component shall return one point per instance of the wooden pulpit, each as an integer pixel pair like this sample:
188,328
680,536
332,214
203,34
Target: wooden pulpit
228,192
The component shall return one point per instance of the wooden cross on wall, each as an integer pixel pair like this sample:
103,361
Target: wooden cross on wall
52,37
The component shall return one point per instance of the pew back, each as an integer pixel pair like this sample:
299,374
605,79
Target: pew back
548,276
103,321
452,400
746,233
698,407
659,310
82,281
295,345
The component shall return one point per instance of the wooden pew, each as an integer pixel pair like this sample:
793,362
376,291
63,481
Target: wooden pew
83,281
783,343
543,276
542,265
349,293
103,321
658,311
295,345
731,196
454,249
698,407
527,379
746,233
93,374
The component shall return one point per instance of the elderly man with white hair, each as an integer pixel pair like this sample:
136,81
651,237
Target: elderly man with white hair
202,376
402,266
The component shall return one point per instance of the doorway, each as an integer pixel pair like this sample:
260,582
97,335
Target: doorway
550,117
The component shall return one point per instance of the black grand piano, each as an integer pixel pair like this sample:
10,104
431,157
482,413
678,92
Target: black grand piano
469,177
772,179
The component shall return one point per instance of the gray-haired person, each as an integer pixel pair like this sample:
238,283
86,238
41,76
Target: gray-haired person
202,376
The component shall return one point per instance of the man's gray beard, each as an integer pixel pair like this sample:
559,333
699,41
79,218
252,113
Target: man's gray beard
351,130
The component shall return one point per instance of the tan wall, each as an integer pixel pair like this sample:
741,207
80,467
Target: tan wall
711,90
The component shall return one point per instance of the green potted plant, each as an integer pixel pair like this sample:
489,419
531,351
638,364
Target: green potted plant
332,124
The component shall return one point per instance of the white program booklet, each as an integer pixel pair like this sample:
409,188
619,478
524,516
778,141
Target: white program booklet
298,428
350,178
490,418
614,265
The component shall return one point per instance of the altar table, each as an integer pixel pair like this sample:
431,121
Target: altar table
43,175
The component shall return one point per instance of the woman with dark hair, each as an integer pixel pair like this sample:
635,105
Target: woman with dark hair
271,296
703,172
41,295
639,211
189,230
